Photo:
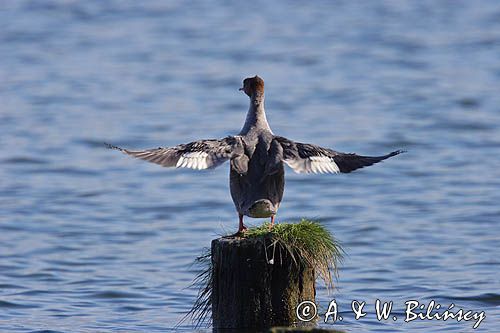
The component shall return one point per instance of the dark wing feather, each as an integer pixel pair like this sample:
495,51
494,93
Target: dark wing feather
351,162
201,154
308,158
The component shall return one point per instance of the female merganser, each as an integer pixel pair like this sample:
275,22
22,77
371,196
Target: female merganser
257,158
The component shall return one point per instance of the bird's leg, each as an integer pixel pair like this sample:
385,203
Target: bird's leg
272,223
241,227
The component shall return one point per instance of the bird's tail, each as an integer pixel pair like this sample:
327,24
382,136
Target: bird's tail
261,208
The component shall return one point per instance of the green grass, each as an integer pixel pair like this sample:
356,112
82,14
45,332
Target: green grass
307,242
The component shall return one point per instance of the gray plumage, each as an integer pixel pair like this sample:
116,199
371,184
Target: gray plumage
257,158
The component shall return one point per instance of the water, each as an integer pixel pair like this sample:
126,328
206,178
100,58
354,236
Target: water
94,241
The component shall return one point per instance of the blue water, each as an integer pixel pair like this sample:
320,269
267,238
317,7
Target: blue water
91,240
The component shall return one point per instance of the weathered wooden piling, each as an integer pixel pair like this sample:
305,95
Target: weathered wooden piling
257,283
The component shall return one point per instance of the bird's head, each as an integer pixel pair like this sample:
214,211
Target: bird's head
253,86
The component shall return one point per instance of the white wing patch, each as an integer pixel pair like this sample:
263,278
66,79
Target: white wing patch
197,160
313,164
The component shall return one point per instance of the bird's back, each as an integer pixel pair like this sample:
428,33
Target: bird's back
264,179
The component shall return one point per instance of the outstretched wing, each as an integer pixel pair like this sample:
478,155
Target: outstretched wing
202,154
307,158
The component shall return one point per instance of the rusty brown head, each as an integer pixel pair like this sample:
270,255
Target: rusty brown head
253,85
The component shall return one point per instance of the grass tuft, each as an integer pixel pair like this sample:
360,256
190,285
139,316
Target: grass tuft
308,243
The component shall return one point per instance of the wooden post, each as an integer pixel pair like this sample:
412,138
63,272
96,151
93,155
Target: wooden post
256,285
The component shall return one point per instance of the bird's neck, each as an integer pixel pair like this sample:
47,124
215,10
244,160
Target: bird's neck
256,115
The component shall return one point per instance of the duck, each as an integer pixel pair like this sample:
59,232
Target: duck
257,159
